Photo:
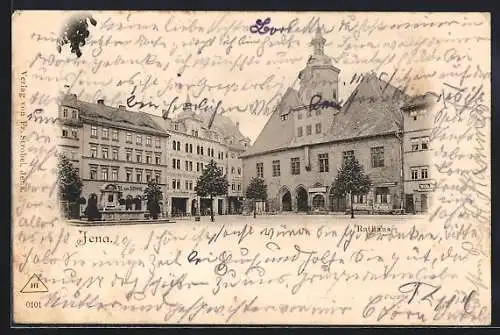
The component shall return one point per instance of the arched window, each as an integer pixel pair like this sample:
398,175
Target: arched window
174,145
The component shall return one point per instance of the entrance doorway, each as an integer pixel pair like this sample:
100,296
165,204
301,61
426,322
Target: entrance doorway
318,202
205,206
179,206
286,202
301,199
423,202
410,206
219,206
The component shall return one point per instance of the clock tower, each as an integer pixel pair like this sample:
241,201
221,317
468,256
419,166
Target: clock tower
319,76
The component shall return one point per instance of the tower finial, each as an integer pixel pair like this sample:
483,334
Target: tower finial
318,42
187,104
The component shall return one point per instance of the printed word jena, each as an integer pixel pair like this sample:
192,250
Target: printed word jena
85,238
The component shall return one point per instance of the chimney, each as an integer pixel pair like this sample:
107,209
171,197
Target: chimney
121,107
100,101
237,125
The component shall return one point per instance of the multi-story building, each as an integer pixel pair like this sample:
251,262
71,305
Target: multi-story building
115,151
195,140
418,182
308,136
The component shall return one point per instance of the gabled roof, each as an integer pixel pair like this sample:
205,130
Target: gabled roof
119,117
226,127
372,109
277,133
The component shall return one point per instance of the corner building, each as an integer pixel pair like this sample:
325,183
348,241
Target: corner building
419,185
194,140
116,151
309,135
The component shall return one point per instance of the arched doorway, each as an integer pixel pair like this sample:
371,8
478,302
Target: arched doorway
337,204
318,202
286,201
301,197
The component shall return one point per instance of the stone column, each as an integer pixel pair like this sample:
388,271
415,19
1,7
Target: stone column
189,202
168,206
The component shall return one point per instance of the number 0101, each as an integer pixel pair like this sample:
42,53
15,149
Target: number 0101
33,304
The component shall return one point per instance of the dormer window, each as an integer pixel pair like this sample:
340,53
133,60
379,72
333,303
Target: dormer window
283,117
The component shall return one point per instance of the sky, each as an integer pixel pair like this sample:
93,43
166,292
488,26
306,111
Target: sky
151,61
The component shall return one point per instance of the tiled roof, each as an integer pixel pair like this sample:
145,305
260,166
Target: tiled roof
277,133
372,109
225,126
114,116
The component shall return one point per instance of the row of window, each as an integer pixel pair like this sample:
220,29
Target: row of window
115,154
309,130
419,143
188,165
115,133
233,170
308,113
113,174
377,160
66,133
382,196
74,113
420,172
233,187
188,185
200,150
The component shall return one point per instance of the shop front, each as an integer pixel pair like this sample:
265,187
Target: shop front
383,198
235,205
420,197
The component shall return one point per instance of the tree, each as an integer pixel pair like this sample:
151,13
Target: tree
69,183
75,33
153,195
211,183
351,180
256,190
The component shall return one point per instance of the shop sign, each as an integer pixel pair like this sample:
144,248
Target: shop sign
317,189
130,188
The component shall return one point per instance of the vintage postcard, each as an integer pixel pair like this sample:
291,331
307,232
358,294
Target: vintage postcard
235,168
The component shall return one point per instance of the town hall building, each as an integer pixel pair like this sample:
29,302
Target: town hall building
309,135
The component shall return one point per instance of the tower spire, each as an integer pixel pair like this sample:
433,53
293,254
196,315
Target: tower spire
318,43
187,104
